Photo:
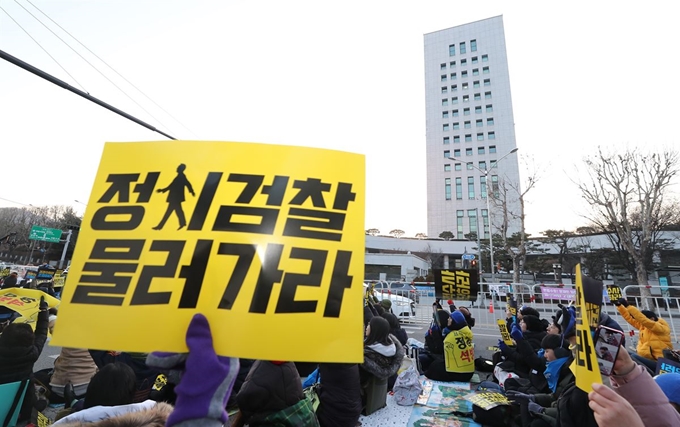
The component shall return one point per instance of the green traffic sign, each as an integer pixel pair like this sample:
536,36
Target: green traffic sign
52,235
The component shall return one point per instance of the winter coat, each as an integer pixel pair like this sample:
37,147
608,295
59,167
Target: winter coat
339,395
534,338
148,413
269,387
299,415
16,363
401,335
244,366
649,401
566,378
73,365
655,336
381,366
573,410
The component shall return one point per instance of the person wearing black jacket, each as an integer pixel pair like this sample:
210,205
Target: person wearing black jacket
10,281
20,348
339,395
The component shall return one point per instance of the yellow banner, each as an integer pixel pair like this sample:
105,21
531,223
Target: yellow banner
587,369
505,335
26,302
266,241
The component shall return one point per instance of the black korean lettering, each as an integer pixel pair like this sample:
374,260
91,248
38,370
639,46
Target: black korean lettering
340,280
460,342
101,220
253,183
194,274
120,185
583,348
269,274
312,222
245,254
343,196
141,295
287,302
103,295
205,199
313,189
266,216
276,191
117,249
144,189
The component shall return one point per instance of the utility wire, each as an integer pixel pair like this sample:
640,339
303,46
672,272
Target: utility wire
17,203
44,50
112,69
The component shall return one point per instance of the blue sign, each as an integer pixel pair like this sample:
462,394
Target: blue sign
468,257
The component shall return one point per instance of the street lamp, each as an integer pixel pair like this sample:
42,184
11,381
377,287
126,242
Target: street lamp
488,206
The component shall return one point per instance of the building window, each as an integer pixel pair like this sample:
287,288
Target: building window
454,113
458,167
485,58
445,114
489,121
447,154
487,95
487,82
453,76
489,108
494,186
473,45
472,214
475,71
463,74
452,64
474,60
445,89
454,88
468,151
482,182
485,219
492,149
459,223
482,165
452,50
485,70
471,187
456,139
465,86
447,140
456,125
478,109
478,97
480,150
463,62
468,138
466,111
447,188
442,66
467,125
466,98
445,102
459,188
462,48
492,135
447,168
480,137
443,77
479,123
454,100
475,84
469,166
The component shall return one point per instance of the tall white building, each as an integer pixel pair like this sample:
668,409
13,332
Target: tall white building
468,117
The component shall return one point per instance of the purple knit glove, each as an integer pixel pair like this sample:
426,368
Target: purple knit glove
207,380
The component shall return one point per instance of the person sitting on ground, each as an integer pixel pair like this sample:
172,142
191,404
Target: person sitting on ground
395,328
271,394
383,353
10,281
339,395
533,330
464,311
20,348
73,367
458,363
434,341
655,334
386,305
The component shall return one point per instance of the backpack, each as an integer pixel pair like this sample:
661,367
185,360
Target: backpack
500,416
407,387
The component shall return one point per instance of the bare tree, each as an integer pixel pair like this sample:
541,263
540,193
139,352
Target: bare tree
622,186
397,233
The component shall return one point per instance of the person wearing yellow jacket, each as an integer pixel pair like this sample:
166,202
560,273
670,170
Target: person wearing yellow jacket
459,353
655,334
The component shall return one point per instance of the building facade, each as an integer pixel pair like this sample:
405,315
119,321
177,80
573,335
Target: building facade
469,128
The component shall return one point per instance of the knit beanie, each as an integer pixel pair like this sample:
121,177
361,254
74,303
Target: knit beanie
650,315
557,344
387,304
533,323
670,385
458,321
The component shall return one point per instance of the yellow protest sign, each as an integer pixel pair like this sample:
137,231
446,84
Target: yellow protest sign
487,399
587,369
266,241
614,293
26,302
505,335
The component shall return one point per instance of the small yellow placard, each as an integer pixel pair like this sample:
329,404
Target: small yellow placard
587,369
505,335
266,241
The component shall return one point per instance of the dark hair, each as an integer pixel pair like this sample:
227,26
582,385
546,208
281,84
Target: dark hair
113,385
17,335
392,320
525,309
380,332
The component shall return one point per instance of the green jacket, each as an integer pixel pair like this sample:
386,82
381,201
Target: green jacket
299,415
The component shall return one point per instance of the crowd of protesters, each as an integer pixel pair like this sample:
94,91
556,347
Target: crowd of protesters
201,388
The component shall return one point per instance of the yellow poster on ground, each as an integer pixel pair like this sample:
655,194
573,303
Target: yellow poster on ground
505,335
266,241
587,368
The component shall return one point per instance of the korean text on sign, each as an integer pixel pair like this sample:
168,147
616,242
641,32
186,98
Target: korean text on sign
266,241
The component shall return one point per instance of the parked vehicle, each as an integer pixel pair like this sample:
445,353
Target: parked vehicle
404,308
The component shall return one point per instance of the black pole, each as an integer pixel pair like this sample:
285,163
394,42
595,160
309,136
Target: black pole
28,67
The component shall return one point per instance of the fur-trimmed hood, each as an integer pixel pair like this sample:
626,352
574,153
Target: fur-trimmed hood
146,416
382,366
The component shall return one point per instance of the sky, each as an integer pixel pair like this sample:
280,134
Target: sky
340,75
